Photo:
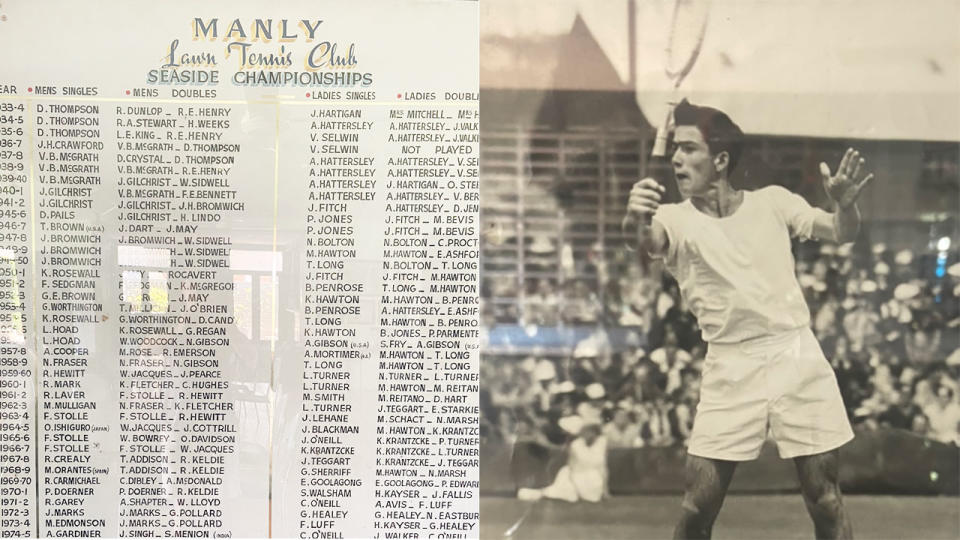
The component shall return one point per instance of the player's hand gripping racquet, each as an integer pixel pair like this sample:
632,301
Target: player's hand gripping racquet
688,27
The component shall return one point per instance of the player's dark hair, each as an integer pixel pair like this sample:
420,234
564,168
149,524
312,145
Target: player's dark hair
718,130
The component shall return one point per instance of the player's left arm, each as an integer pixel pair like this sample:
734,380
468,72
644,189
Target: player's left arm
844,187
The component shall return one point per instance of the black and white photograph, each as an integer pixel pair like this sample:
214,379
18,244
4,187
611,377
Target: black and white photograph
719,269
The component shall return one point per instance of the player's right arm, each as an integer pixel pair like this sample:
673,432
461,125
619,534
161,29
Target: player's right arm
644,234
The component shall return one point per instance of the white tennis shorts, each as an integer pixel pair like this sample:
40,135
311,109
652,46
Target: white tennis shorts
781,386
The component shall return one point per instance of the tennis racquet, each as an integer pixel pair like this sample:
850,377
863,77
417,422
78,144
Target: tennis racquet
688,28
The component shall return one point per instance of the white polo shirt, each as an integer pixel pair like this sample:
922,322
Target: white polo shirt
737,273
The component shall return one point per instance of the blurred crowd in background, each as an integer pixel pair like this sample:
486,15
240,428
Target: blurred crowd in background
888,321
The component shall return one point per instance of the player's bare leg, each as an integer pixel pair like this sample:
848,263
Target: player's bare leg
819,483
706,482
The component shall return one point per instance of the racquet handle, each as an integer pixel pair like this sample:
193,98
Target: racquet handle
659,151
663,134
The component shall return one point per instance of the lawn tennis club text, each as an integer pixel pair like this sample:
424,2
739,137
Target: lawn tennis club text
262,52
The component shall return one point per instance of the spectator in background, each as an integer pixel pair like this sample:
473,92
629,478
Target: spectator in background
622,431
689,391
926,315
923,393
619,377
860,324
647,381
543,304
637,310
613,306
825,322
670,360
608,371
591,410
506,427
673,316
881,272
902,414
529,430
582,306
544,373
903,268
944,416
951,304
562,399
513,388
658,431
681,417
584,477
923,346
583,370
921,425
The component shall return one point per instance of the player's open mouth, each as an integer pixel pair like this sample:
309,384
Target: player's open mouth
682,176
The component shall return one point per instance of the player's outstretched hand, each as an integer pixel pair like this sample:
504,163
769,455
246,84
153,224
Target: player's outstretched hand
645,198
845,186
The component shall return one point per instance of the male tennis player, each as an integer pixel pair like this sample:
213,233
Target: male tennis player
729,250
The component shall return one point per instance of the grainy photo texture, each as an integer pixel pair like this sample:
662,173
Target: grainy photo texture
720,269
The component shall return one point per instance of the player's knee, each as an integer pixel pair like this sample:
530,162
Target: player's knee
825,502
698,508
689,505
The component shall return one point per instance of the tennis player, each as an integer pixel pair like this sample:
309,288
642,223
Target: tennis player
765,374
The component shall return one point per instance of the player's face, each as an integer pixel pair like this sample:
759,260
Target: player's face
693,164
